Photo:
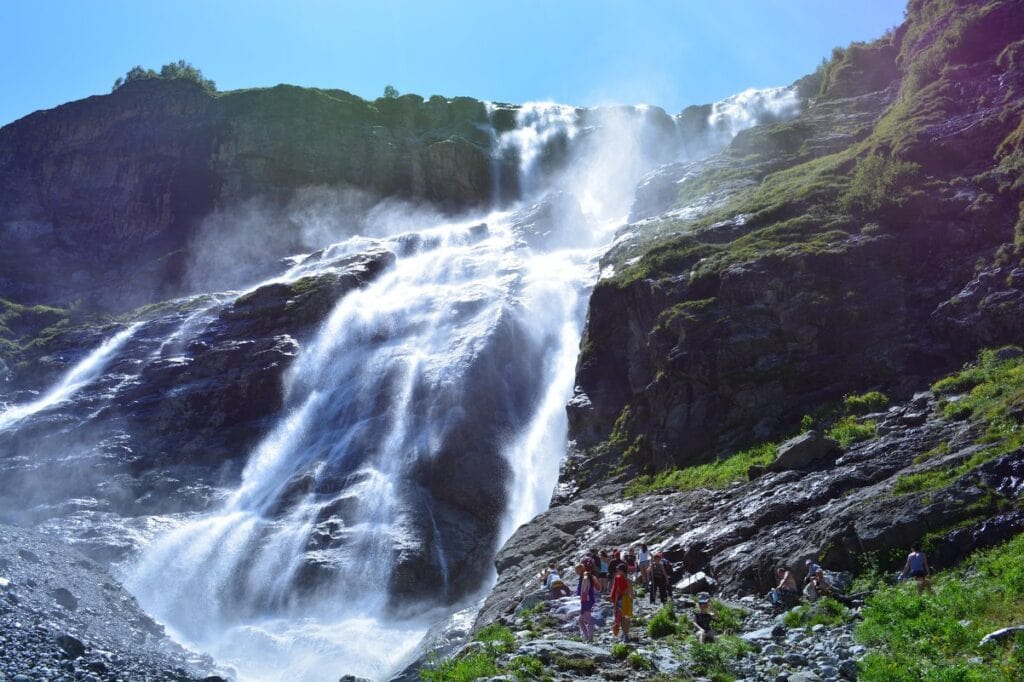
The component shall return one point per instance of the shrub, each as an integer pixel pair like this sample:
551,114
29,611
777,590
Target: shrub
179,70
825,611
526,667
620,650
498,637
729,619
638,661
878,182
872,401
849,431
662,623
717,474
584,666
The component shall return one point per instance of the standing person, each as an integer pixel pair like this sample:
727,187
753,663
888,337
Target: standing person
702,620
614,562
644,559
917,568
602,570
659,578
622,598
587,589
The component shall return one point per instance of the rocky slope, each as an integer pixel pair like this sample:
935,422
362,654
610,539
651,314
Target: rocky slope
65,617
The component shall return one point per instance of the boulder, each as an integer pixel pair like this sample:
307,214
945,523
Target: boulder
1002,634
804,451
548,650
696,583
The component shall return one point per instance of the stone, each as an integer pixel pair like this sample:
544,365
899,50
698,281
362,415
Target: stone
803,676
71,646
65,598
548,649
696,583
804,451
849,670
795,659
1001,634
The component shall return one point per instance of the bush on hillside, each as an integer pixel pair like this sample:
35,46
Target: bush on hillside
179,70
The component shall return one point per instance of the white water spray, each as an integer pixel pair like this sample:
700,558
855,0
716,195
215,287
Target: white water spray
76,378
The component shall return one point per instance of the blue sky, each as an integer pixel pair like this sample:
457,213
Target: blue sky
669,53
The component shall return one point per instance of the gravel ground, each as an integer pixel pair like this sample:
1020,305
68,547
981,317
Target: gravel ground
64,617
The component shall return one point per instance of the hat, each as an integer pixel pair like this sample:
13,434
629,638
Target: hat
703,599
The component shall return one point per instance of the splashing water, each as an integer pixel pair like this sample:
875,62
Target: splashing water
77,378
749,108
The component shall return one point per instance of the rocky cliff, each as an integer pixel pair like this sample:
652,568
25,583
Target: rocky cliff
101,198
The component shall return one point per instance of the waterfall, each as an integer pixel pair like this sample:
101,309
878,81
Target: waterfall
422,423
76,378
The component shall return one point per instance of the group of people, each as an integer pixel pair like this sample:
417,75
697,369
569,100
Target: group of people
816,584
614,573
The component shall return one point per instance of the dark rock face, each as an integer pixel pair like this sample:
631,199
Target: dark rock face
99,198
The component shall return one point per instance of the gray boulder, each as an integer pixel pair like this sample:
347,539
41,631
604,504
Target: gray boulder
804,451
548,650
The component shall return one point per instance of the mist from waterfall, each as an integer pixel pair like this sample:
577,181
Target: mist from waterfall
435,392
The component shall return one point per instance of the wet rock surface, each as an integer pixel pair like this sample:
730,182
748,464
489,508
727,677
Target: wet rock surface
63,617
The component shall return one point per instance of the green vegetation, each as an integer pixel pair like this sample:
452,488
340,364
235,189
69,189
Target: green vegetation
713,660
620,650
583,666
729,619
873,401
995,402
637,661
936,636
390,92
663,623
498,637
471,667
825,611
849,431
717,474
527,668
179,70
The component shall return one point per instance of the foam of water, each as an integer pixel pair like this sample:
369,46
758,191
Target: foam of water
749,108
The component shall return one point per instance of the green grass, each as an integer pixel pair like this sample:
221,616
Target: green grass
849,431
729,619
498,637
714,660
933,637
637,661
872,401
663,623
527,668
620,650
717,474
994,400
473,667
825,611
582,666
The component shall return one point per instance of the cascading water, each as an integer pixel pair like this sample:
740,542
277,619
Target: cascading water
79,376
422,423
